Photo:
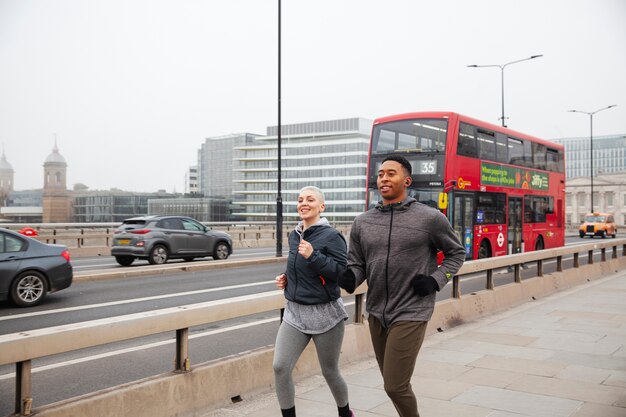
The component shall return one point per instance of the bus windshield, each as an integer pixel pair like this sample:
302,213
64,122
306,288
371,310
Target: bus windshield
413,135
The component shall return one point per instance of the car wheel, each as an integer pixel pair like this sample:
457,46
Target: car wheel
158,255
603,234
581,234
124,260
614,235
28,289
484,251
221,251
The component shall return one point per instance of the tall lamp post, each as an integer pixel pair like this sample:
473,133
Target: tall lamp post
590,114
279,198
502,67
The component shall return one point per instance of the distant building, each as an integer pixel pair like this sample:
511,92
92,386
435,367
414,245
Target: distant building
6,179
191,180
56,201
609,155
215,164
202,209
112,206
609,196
23,207
331,155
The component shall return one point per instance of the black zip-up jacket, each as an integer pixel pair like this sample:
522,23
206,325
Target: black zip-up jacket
315,280
389,245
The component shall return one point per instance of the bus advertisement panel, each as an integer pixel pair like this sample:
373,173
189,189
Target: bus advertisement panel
503,191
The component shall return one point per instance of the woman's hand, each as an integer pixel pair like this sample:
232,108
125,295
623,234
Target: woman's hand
281,281
305,249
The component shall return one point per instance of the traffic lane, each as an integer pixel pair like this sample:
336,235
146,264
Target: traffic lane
91,300
92,263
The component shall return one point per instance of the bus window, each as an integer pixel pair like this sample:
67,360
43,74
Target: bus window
528,154
536,208
467,141
386,140
539,156
516,152
552,160
486,145
501,149
418,135
490,208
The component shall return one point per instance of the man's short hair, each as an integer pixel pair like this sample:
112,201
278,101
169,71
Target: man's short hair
401,160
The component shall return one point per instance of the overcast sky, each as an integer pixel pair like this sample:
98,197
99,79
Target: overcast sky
132,87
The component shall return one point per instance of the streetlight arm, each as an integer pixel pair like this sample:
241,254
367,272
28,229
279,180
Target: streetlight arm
522,60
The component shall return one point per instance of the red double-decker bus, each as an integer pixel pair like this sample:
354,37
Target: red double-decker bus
503,191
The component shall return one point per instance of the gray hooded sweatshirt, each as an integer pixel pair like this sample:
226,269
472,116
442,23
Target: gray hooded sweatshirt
391,244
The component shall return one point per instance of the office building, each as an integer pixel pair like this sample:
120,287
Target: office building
331,155
609,155
215,164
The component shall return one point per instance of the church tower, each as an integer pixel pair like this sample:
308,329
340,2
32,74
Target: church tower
56,199
6,179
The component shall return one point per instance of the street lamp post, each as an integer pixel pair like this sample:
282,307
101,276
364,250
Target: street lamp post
502,67
590,114
279,197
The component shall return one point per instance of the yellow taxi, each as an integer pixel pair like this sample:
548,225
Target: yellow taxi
598,224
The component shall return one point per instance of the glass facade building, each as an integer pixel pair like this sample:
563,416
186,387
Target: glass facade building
111,206
201,209
609,155
331,155
215,164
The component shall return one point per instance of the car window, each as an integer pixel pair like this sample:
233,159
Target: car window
171,224
11,244
191,225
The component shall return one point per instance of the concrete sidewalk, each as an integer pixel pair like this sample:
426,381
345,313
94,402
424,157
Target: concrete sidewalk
563,356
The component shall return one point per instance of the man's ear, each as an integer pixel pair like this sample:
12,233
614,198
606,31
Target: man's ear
408,181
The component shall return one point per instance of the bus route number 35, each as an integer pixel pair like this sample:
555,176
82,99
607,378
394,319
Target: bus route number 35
428,167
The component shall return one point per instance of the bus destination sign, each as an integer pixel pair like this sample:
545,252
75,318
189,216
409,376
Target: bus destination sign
513,177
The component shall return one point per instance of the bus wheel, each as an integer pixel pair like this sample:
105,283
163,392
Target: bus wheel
539,244
485,250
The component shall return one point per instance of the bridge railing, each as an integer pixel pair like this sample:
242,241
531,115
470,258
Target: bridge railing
83,235
21,348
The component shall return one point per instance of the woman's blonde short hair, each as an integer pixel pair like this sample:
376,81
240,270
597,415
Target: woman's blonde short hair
319,193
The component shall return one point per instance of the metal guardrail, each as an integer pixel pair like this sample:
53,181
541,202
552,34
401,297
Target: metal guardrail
80,235
21,348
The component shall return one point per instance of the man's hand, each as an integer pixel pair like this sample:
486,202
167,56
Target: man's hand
347,280
424,285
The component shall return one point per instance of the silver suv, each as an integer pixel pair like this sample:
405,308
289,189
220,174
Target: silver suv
159,238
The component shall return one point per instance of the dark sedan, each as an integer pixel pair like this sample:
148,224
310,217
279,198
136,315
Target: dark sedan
30,269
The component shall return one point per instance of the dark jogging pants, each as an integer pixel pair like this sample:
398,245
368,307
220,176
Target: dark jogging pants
396,351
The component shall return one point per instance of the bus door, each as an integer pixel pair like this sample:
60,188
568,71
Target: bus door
463,221
515,225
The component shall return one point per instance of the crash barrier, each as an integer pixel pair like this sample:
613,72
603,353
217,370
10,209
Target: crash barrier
190,390
92,239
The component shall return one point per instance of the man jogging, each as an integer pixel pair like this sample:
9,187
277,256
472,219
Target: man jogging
393,247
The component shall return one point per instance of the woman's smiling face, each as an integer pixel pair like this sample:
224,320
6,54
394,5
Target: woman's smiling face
310,206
